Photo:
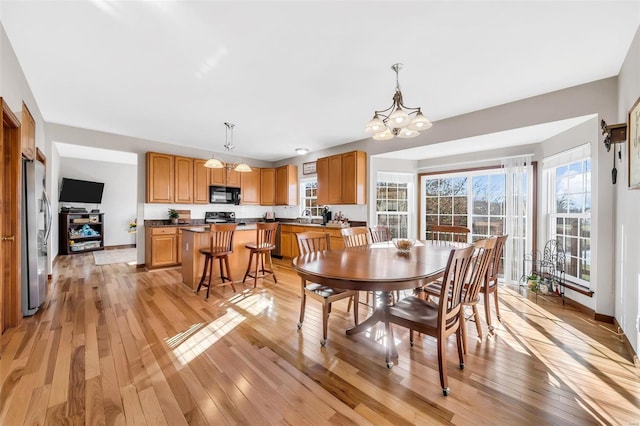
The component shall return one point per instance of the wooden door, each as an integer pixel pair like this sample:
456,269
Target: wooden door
268,187
250,192
28,134
160,178
287,185
200,182
322,168
286,239
163,249
218,177
335,179
10,220
233,178
183,193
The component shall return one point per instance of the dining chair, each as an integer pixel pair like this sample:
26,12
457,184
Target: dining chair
438,320
491,282
265,243
483,255
448,233
380,234
310,242
220,247
355,237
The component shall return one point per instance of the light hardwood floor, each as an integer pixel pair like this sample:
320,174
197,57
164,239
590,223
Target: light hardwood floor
116,345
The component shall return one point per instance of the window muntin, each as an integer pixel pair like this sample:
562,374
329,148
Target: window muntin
309,197
392,205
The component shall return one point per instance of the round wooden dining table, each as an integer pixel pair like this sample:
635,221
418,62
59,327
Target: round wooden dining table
377,267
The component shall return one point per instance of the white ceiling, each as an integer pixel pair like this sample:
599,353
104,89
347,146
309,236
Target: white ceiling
293,74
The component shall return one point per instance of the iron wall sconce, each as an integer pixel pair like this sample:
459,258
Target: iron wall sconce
615,133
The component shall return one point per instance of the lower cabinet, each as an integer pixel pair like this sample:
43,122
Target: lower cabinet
161,247
289,242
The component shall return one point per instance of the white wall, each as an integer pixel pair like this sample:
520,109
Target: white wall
627,202
118,198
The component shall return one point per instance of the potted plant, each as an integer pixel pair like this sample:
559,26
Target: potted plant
532,282
173,215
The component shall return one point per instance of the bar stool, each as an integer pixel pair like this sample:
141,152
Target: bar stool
220,247
265,242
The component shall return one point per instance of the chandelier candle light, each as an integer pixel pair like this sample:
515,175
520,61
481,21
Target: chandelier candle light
397,120
214,163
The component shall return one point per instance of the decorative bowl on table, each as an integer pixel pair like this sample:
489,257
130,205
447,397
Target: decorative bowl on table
404,245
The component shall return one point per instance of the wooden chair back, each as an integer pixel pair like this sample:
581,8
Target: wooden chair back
494,266
312,241
448,233
266,235
452,284
221,238
380,234
355,237
482,258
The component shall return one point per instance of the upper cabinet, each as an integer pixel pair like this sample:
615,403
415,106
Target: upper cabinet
28,134
218,176
160,178
234,178
268,187
200,182
286,185
342,178
250,186
183,193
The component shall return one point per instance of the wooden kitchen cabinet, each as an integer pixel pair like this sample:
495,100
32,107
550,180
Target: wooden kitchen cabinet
28,134
322,168
289,242
250,187
287,185
160,178
218,176
183,192
286,241
342,178
268,187
234,178
162,248
200,182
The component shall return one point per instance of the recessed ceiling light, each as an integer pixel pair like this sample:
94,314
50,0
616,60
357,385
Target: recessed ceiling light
302,151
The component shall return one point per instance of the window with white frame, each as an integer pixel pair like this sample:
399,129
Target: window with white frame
568,177
393,194
309,197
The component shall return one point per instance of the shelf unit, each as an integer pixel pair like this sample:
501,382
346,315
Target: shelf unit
71,224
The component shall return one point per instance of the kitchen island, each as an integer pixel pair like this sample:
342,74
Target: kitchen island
195,238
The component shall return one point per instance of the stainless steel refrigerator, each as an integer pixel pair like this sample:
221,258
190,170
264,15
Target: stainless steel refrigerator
36,227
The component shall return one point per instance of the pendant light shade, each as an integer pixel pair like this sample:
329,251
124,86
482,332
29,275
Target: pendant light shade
214,163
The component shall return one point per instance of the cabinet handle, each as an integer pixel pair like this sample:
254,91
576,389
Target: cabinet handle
9,238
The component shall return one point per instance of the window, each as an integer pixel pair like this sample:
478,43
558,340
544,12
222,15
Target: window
309,197
393,191
569,189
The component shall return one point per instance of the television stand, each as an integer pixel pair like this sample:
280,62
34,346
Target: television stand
71,239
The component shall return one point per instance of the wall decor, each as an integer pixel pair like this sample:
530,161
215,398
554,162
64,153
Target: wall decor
634,146
309,168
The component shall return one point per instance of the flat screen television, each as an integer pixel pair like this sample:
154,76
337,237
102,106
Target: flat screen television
81,191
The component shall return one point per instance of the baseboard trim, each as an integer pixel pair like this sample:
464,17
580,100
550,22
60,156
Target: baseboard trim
588,311
604,318
120,246
627,344
140,266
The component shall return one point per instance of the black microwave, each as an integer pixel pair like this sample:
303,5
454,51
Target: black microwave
224,195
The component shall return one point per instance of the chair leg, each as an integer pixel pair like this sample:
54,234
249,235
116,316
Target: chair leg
476,316
460,351
210,275
495,296
463,330
325,320
487,306
246,274
355,307
255,277
204,273
273,273
411,337
442,365
350,303
229,277
303,302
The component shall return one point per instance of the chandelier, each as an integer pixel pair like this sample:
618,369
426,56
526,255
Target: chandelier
397,120
214,163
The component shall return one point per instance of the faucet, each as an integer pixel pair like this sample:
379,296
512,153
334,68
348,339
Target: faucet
306,213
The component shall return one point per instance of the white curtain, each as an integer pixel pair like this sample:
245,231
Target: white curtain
518,215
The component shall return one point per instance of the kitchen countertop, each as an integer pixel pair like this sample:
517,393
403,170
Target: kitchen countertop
241,225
